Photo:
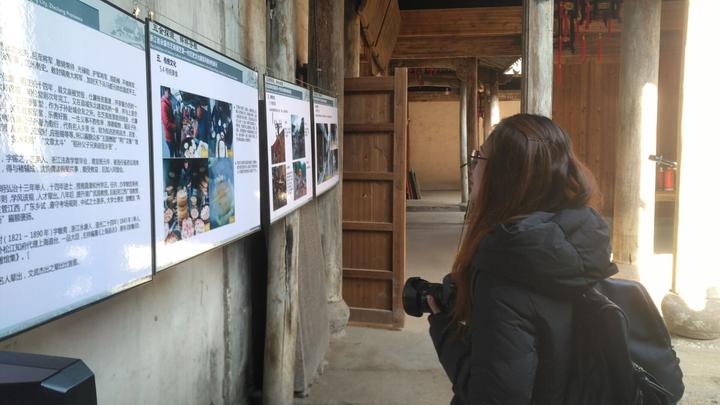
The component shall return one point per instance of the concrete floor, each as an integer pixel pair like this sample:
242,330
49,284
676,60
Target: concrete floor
383,367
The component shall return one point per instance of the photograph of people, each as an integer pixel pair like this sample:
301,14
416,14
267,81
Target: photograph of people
167,116
195,126
222,129
300,179
322,147
279,187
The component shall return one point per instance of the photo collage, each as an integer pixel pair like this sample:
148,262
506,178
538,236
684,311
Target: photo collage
197,164
326,141
280,164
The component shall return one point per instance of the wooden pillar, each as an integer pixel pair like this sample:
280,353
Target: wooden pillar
464,190
352,40
634,203
327,72
283,239
473,140
537,57
491,106
696,311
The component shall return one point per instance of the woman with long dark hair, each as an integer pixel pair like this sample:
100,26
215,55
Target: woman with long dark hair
532,243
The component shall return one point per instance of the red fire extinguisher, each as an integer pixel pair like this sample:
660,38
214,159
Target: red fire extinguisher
665,179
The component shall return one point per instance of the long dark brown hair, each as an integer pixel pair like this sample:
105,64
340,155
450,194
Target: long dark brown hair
530,167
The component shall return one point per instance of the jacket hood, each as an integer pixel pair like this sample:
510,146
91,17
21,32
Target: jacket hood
565,252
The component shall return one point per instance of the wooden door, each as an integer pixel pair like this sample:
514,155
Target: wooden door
374,178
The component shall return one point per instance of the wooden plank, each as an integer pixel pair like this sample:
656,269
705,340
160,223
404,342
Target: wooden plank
400,172
383,48
425,96
372,14
367,274
371,317
368,201
368,226
369,152
509,95
665,196
448,47
369,176
370,250
368,84
368,293
378,127
456,22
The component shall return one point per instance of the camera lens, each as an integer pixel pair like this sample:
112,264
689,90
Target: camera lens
412,296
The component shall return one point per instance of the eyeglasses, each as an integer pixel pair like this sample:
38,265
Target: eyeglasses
475,155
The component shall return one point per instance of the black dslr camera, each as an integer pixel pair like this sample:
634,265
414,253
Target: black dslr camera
416,291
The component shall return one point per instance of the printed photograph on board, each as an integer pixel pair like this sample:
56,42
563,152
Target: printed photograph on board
277,150
333,136
279,187
222,203
299,178
194,126
186,203
327,163
298,136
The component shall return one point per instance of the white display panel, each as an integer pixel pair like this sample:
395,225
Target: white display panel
288,146
206,151
75,221
327,153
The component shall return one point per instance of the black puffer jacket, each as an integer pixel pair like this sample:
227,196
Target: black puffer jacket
516,350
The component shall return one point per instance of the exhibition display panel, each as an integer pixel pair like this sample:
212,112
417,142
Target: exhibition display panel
75,221
290,172
205,147
325,119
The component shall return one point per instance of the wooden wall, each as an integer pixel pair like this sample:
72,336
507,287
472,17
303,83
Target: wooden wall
585,103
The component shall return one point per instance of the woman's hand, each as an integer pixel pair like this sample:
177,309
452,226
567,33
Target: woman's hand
433,305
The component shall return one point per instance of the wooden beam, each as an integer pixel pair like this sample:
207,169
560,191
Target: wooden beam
672,18
509,95
352,40
455,22
427,96
450,47
449,81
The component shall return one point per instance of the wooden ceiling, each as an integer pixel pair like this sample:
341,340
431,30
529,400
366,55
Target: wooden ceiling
460,32
488,30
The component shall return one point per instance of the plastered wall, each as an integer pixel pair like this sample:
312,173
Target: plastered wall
183,338
434,144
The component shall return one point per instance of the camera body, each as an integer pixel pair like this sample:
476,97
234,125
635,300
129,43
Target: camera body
416,291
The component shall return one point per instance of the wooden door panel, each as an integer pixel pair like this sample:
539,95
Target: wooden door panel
369,201
369,293
371,250
372,152
372,108
374,177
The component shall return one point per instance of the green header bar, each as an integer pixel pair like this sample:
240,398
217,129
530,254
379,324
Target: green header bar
283,88
179,46
101,17
319,98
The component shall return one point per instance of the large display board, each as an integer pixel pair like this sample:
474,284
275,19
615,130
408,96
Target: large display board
288,146
205,146
74,158
326,142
